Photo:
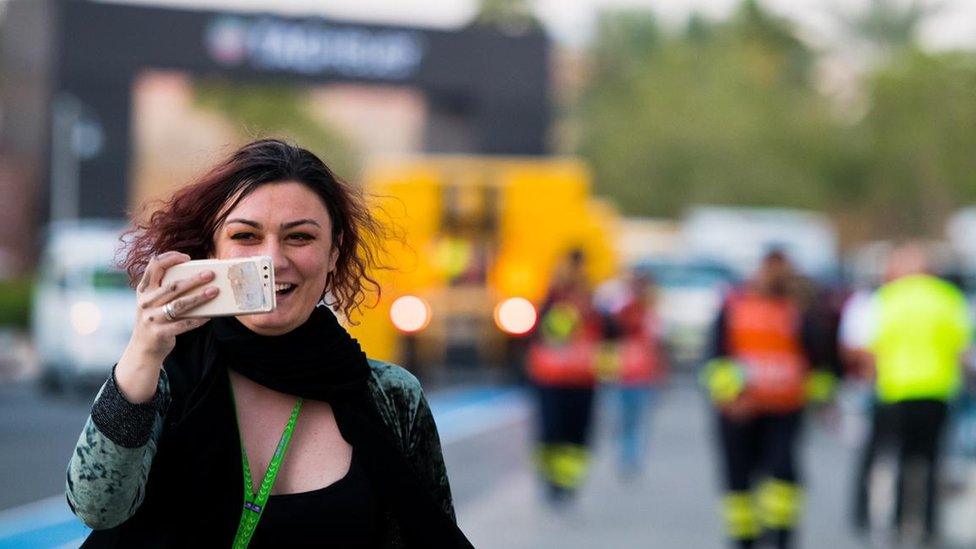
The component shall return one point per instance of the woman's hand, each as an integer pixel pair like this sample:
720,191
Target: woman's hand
154,334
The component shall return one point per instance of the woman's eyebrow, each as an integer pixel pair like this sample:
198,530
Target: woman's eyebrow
288,225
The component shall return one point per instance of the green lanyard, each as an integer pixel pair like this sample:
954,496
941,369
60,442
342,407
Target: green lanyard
254,503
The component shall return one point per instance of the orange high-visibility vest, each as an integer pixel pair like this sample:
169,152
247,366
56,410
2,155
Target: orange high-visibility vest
640,353
764,335
567,365
565,355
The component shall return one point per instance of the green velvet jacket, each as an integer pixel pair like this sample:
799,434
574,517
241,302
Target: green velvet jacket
110,466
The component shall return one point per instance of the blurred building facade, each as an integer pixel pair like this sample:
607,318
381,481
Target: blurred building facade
71,118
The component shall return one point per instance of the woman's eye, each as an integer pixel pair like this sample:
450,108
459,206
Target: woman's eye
251,236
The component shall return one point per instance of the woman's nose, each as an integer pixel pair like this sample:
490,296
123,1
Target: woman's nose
278,256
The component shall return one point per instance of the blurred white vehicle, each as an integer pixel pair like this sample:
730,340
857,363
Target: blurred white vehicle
83,310
739,237
689,296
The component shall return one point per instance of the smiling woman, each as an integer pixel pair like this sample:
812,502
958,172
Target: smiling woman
198,411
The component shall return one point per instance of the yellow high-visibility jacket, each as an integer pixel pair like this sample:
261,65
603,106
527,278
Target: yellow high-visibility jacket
922,328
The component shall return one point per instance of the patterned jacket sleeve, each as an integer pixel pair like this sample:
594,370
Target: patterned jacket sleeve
109,468
424,452
405,410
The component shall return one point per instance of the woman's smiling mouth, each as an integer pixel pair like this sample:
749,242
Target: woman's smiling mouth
284,288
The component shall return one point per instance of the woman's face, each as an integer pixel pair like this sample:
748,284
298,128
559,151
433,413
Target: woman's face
288,222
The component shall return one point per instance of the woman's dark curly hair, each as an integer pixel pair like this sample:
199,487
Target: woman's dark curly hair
188,221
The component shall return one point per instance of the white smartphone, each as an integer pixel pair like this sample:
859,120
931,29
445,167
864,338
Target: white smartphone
246,285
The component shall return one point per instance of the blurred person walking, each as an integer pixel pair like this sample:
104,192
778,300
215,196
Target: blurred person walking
561,367
921,328
632,362
854,334
855,400
856,330
760,377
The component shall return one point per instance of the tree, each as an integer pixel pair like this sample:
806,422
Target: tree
512,16
725,113
922,128
889,25
728,113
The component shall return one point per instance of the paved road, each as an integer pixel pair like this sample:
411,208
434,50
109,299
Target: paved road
674,504
37,434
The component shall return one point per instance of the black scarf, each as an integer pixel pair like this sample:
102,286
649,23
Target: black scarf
319,360
195,488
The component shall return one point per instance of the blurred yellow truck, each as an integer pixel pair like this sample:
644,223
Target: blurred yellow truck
482,237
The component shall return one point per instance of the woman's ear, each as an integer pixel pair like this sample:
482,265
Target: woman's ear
334,254
333,259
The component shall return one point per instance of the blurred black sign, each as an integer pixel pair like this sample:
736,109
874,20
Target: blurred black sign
314,47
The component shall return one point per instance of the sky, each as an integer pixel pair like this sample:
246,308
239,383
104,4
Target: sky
570,22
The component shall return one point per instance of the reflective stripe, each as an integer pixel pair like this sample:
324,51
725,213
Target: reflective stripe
779,504
724,380
559,324
820,386
564,465
739,515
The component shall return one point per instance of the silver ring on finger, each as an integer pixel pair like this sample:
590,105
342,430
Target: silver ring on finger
168,311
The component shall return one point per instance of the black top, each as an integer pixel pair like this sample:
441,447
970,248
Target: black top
342,514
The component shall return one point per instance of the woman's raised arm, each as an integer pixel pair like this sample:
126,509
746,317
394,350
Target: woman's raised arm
108,470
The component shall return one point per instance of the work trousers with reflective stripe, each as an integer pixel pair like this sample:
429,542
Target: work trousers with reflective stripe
563,429
759,457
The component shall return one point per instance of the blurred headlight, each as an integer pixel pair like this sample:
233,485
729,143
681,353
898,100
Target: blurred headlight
85,317
410,314
515,315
